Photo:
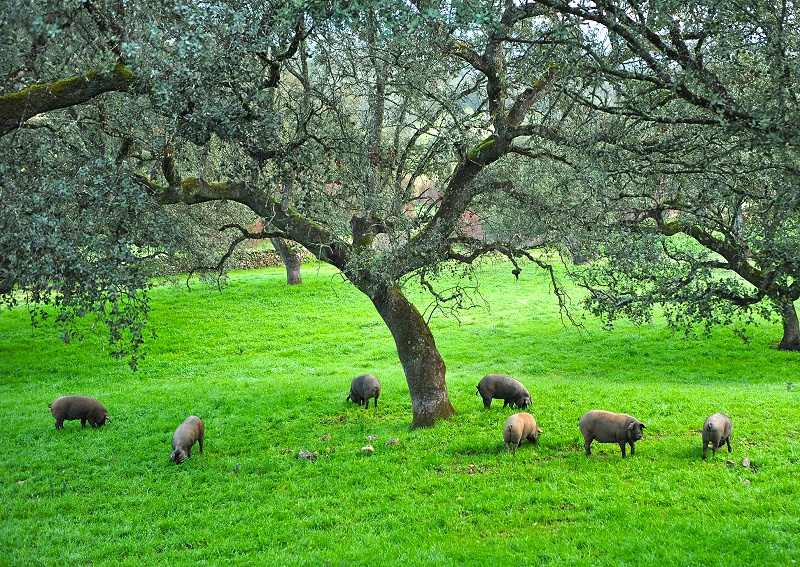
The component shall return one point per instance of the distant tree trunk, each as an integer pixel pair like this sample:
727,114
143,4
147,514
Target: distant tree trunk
291,258
7,281
576,250
791,327
422,363
6,286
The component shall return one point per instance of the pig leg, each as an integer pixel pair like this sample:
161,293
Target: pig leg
622,446
83,422
587,445
633,448
728,441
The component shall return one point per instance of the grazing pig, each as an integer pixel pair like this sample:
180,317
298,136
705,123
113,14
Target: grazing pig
608,427
191,431
364,387
84,408
717,429
520,426
511,391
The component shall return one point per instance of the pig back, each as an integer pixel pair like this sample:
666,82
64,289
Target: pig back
502,387
717,427
365,386
78,407
191,430
607,427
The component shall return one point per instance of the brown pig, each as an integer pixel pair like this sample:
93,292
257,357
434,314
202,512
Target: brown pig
608,427
364,387
717,430
191,431
520,426
508,389
84,408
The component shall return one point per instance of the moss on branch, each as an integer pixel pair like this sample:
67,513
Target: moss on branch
16,108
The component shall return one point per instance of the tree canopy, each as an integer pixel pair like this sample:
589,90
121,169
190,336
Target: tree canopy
691,145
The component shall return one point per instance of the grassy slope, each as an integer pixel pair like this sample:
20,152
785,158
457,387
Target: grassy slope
268,368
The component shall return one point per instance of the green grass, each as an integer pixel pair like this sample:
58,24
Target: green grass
268,368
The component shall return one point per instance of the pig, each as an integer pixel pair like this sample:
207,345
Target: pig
608,427
520,426
717,429
364,387
511,391
191,431
84,408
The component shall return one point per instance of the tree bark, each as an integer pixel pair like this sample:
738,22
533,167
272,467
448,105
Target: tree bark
791,327
291,258
422,363
16,108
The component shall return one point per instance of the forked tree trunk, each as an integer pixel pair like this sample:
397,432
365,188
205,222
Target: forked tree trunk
291,258
791,327
422,363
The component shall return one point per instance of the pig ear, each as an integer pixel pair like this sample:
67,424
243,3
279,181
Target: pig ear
539,430
643,425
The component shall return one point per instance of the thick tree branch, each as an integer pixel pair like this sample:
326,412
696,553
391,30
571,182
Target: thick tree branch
16,108
313,236
734,255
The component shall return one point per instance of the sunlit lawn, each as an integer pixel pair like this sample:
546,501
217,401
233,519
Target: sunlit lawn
268,368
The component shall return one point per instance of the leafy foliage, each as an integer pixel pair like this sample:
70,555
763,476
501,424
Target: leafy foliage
691,134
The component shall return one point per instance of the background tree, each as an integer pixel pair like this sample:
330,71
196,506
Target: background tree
692,121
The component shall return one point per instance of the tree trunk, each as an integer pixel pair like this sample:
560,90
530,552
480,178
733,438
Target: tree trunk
791,327
291,258
422,363
576,250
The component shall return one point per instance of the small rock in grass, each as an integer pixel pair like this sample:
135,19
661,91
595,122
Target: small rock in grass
369,449
308,455
730,464
371,437
746,482
326,437
393,441
746,462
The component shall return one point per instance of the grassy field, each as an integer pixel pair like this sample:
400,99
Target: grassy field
268,367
